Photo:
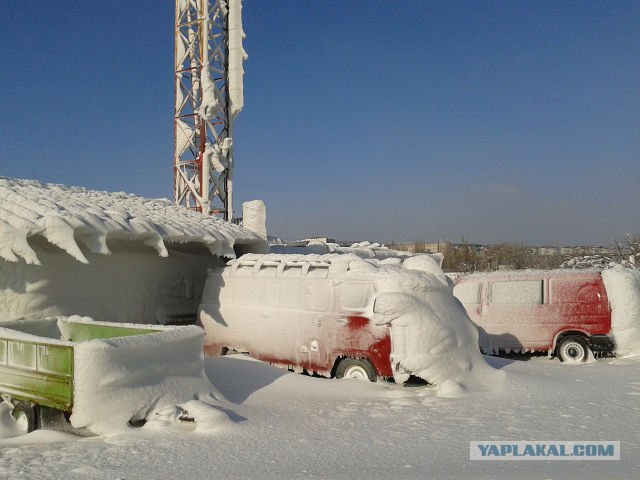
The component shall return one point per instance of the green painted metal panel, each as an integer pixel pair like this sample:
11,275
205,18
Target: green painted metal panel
3,352
54,359
45,389
22,355
42,372
78,332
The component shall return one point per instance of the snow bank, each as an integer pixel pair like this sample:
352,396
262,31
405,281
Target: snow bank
623,290
124,378
78,220
431,334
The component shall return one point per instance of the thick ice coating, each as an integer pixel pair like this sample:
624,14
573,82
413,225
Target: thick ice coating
123,378
304,311
623,290
76,219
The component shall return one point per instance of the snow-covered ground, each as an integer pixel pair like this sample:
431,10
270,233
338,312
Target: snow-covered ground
275,424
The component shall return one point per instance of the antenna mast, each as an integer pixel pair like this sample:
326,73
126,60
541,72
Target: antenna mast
208,97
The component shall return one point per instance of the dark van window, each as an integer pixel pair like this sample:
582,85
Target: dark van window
517,292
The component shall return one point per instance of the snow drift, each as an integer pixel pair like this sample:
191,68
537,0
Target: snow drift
623,290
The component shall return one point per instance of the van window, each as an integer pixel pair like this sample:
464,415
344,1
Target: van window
317,295
290,272
268,271
318,272
567,290
290,295
244,271
247,293
355,295
468,292
517,292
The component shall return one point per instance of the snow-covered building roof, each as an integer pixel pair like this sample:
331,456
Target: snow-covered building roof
74,217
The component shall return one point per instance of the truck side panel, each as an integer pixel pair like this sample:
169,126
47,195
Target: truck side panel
37,372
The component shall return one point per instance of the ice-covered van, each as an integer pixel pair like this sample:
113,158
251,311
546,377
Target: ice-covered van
562,312
340,316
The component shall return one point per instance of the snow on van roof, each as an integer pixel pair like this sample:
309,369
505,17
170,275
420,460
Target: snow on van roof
528,273
347,262
69,216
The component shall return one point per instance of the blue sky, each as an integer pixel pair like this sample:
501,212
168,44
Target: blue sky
363,120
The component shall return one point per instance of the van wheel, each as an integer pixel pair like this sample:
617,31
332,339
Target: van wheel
28,414
572,349
357,368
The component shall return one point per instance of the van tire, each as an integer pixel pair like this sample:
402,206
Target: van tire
572,349
358,368
30,411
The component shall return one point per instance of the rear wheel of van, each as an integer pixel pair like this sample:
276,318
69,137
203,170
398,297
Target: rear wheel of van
357,368
572,349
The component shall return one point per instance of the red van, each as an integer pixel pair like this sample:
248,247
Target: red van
562,312
336,316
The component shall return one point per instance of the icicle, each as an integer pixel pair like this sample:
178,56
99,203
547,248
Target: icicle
96,242
13,244
59,233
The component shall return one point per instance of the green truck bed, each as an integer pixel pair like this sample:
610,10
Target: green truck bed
37,360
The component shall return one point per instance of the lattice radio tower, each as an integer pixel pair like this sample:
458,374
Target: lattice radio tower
208,96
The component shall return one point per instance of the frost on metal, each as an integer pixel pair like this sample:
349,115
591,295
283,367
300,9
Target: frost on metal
74,219
271,305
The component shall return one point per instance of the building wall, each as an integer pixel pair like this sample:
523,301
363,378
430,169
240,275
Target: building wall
133,284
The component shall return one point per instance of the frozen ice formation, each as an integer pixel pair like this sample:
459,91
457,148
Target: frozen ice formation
75,218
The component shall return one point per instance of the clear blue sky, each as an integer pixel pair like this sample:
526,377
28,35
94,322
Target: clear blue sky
363,120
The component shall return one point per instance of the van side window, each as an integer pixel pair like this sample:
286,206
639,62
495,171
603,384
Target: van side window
246,293
290,295
244,271
575,291
268,271
317,295
355,295
318,272
468,292
294,271
517,292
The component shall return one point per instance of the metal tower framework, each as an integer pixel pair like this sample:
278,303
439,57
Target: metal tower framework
203,148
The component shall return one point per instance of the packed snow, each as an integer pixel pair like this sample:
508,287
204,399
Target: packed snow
75,219
273,425
623,290
254,217
111,256
361,249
